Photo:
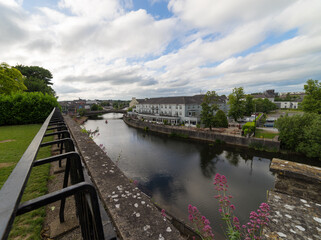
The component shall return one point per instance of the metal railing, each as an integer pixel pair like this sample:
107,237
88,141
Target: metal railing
87,207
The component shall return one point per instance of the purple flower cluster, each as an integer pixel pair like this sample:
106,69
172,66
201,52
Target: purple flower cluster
201,223
226,208
163,213
253,229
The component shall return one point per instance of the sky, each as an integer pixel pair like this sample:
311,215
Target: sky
119,49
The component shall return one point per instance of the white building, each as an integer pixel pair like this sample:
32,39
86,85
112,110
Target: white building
284,104
175,110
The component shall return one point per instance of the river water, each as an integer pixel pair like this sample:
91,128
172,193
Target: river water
177,172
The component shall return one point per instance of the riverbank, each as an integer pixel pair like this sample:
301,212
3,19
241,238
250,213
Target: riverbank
206,135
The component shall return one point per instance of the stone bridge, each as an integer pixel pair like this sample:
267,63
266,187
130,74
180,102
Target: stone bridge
91,113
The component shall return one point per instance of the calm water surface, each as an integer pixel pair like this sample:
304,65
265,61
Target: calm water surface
175,172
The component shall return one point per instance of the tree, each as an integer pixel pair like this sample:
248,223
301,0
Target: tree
220,120
38,79
264,105
237,103
249,105
208,107
96,107
11,80
312,99
301,133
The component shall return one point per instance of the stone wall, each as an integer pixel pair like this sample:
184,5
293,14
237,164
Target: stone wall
297,179
204,135
294,202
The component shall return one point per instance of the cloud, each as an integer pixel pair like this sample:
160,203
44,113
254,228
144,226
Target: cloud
105,49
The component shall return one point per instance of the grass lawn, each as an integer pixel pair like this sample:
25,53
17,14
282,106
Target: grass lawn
259,133
14,141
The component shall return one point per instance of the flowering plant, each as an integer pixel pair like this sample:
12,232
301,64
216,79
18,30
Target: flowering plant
252,230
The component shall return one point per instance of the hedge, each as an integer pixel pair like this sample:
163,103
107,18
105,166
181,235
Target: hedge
25,107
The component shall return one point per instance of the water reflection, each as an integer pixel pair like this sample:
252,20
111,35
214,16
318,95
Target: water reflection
209,156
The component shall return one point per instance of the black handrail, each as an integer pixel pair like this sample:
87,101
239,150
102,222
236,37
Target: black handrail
84,192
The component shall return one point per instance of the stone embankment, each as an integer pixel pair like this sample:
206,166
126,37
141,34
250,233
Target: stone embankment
205,135
295,202
132,212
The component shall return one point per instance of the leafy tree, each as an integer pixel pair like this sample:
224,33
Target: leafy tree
11,80
264,105
311,146
208,107
220,120
237,103
301,133
38,79
249,105
96,107
312,99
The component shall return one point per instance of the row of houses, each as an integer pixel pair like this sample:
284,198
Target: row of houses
175,110
71,107
187,109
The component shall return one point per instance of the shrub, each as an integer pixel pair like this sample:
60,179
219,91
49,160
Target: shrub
25,108
248,128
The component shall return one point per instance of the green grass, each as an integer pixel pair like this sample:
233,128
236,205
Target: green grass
29,225
259,133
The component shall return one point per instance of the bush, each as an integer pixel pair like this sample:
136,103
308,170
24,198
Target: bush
25,108
301,133
248,128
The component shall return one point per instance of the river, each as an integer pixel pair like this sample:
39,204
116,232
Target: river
177,172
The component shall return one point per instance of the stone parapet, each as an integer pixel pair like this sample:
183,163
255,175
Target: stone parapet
294,202
132,212
297,179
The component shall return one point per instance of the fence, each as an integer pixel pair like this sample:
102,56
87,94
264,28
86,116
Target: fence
84,192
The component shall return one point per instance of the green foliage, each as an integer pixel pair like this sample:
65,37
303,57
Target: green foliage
237,104
312,100
96,107
264,105
81,112
208,107
25,108
38,79
248,128
11,80
249,105
130,109
301,133
220,120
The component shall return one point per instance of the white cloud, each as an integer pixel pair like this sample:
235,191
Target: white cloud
104,49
